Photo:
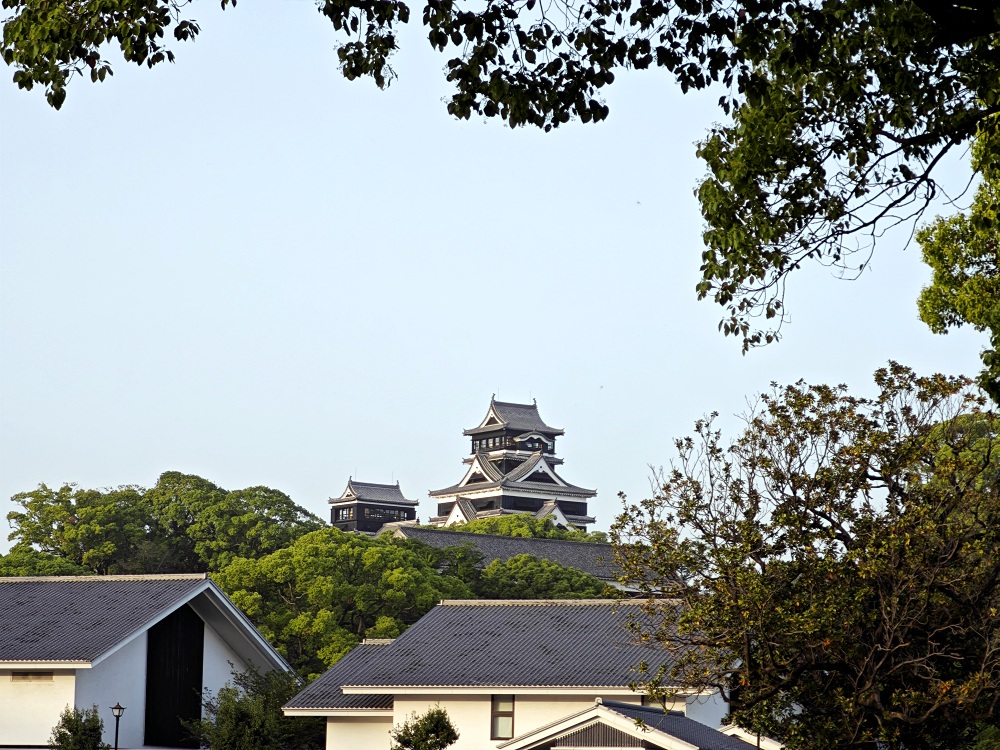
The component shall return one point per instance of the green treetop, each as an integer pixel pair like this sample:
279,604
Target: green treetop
528,577
182,524
319,597
835,570
964,253
523,525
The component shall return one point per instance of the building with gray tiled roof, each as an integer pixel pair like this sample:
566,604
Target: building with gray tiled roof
512,469
517,675
366,507
326,693
152,643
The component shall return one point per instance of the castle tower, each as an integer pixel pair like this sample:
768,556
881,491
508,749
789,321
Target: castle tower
512,470
365,507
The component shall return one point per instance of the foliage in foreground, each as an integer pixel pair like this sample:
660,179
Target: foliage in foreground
430,731
79,730
246,715
837,112
837,565
964,253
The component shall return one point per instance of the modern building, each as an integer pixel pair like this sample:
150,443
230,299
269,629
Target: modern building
512,469
366,507
515,674
151,643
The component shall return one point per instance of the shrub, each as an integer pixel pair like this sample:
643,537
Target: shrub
246,715
79,730
432,731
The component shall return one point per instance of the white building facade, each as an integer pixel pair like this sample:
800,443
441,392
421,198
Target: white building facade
502,671
150,643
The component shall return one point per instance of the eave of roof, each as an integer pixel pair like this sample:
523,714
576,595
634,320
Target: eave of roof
494,687
521,417
338,502
532,488
325,695
371,492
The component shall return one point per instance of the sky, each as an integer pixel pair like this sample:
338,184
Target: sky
245,267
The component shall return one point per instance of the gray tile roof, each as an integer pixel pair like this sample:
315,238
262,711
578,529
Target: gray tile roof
490,469
580,643
520,417
589,557
509,483
378,493
325,692
678,725
78,618
467,508
510,480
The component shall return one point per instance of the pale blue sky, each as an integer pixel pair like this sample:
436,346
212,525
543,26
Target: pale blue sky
244,267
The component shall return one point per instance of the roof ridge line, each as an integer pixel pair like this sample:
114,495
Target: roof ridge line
643,602
527,602
121,577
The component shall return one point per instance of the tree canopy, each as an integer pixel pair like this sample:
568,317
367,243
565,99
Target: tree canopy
834,570
182,524
319,597
529,577
964,253
837,111
104,531
524,525
22,561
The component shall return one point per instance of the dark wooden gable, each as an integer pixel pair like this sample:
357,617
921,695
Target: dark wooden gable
175,652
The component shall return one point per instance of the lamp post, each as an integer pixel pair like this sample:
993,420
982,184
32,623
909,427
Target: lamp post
118,709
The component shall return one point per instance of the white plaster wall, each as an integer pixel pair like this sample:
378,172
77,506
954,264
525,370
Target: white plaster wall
471,713
219,662
707,709
358,733
121,678
533,711
29,710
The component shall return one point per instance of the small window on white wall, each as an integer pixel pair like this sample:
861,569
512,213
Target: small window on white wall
32,676
502,717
